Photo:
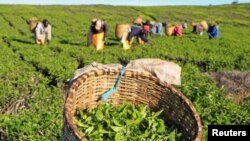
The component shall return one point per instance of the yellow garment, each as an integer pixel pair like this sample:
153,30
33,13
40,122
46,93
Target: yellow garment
140,41
125,43
98,40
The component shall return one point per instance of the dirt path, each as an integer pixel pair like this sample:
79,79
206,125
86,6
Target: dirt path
236,84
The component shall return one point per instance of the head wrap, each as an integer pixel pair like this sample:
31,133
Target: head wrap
146,28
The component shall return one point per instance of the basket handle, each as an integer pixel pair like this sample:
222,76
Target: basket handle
112,90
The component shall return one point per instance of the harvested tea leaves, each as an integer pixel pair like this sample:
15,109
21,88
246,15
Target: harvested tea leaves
122,123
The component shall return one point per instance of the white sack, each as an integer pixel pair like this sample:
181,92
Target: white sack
164,70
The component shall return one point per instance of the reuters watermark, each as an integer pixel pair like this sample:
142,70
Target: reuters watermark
241,132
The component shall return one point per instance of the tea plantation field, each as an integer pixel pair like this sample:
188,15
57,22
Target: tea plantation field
33,78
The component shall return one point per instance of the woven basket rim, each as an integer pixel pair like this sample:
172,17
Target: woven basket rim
69,119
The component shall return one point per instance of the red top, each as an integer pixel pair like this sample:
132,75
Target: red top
178,31
146,28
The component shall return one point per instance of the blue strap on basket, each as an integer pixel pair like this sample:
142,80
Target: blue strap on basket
112,90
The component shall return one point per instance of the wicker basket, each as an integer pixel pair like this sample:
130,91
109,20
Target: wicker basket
138,20
136,87
32,23
152,22
169,30
121,29
204,24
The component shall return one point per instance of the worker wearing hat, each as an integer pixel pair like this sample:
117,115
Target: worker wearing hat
97,26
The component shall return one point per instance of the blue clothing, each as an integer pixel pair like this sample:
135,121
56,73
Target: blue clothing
157,28
137,32
213,31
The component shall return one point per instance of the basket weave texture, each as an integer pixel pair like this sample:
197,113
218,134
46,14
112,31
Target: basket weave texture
169,30
204,24
138,20
32,23
136,87
121,29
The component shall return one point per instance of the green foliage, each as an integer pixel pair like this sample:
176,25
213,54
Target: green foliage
125,122
33,76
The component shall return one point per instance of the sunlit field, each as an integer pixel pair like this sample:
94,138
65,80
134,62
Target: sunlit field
33,77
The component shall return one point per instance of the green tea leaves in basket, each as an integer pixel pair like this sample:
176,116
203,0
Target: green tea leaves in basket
98,115
125,122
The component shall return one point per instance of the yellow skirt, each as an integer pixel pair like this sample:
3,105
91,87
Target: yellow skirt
140,41
97,40
125,43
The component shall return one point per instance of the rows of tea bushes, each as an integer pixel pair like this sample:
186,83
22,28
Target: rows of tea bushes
30,108
33,77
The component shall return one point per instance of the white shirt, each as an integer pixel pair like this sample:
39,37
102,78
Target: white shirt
41,31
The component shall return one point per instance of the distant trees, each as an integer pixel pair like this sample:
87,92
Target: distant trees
235,2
